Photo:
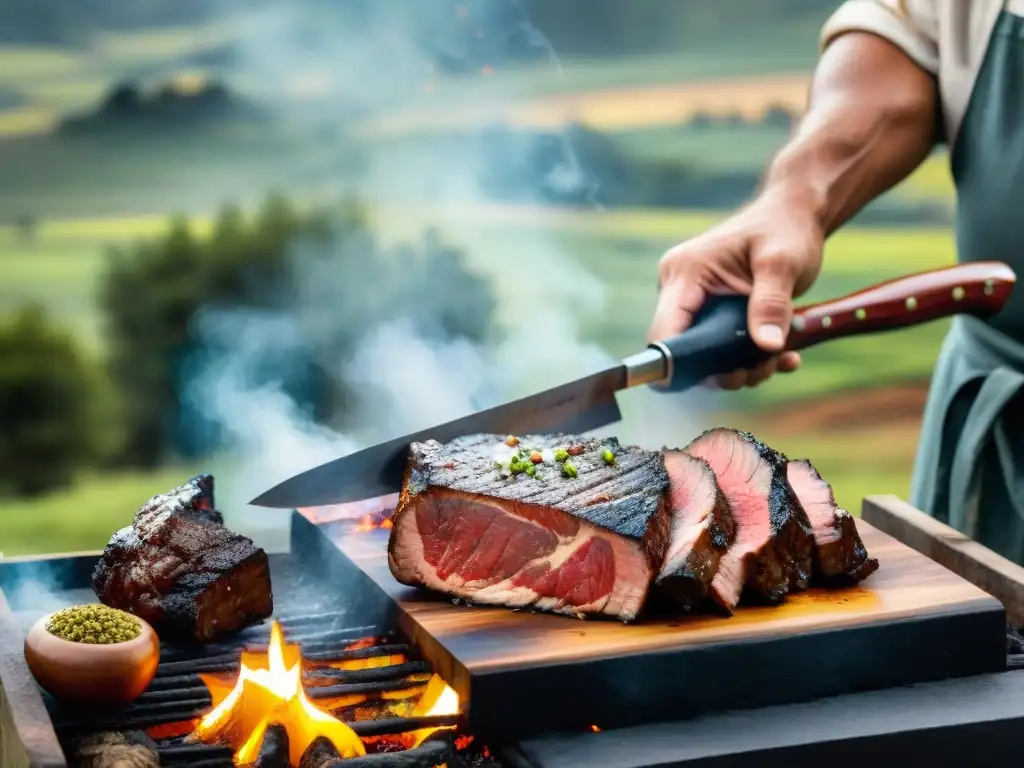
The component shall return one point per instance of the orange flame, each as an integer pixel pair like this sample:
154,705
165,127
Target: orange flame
371,522
269,690
438,699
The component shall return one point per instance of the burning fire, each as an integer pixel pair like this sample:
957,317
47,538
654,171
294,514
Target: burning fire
269,690
371,522
438,699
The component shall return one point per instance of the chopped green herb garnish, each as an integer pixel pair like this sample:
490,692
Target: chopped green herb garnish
531,470
608,456
561,454
569,469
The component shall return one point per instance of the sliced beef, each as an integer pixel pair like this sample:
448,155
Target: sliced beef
582,536
773,549
180,569
839,551
701,530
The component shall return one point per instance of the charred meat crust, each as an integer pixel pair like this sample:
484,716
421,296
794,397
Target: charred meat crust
841,556
792,537
180,569
688,579
626,498
781,563
585,543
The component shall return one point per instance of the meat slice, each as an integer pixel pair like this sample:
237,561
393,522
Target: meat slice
180,569
839,551
579,530
773,550
701,529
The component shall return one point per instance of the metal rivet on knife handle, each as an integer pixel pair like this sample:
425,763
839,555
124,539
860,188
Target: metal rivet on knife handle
861,313
911,303
826,321
958,293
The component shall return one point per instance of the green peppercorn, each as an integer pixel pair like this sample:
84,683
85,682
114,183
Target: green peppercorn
608,456
94,624
531,470
569,469
561,454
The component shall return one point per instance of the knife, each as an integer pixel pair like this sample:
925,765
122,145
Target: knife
717,342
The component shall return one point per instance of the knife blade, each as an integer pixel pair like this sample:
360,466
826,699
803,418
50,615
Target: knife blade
580,406
717,342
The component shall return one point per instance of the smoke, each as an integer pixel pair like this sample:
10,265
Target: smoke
32,589
366,73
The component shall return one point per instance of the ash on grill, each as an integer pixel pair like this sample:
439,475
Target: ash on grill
374,684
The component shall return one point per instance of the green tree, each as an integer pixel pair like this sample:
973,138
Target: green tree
321,270
47,432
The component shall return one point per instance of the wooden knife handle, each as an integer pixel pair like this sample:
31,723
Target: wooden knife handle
979,289
718,341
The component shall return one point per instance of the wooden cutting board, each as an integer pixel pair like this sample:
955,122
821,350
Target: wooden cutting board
520,674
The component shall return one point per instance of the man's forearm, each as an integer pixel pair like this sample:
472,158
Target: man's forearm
870,122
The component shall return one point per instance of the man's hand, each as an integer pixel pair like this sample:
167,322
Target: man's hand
771,251
870,121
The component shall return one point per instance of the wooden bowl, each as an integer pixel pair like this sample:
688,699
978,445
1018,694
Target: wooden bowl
83,673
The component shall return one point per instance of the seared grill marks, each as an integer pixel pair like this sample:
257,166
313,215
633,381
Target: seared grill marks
579,536
180,569
726,517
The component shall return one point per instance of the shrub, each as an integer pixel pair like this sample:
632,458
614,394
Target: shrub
45,406
322,269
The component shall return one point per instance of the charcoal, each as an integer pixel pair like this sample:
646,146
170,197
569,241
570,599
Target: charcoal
274,748
433,752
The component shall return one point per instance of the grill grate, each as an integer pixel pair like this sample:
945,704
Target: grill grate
177,697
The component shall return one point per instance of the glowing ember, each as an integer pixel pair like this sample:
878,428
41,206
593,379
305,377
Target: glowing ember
372,522
595,729
269,690
438,699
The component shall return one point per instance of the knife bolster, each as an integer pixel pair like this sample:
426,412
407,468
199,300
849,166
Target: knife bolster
651,366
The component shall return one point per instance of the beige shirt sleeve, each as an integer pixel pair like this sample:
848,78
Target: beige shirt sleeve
912,25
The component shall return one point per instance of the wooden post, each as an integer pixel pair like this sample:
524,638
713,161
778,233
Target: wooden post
970,560
27,738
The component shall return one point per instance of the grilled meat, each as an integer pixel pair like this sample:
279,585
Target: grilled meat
180,569
702,528
772,552
839,551
554,523
203,507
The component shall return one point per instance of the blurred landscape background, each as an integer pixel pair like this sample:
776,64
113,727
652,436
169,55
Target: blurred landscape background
248,237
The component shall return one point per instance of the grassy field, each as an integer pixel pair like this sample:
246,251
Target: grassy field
89,196
83,517
621,248
55,80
